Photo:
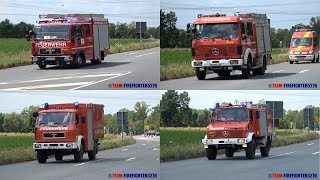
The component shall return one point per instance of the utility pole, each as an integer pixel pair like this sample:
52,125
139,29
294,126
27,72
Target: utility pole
308,124
140,32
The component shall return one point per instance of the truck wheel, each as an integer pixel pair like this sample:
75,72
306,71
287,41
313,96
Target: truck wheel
42,66
318,58
58,157
265,150
201,75
224,73
78,61
78,155
211,152
246,71
42,156
314,59
92,154
251,149
229,152
291,62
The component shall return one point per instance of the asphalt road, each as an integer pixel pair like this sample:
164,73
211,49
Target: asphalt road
296,158
130,67
142,157
278,73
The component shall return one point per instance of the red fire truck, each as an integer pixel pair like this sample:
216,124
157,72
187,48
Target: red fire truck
62,39
225,43
63,129
233,127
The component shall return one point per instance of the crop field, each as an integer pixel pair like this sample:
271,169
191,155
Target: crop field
183,143
16,52
17,147
176,63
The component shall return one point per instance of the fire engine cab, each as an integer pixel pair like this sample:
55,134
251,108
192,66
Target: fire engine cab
62,39
233,127
223,44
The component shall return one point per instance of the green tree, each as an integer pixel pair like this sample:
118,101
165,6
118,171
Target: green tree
169,107
315,24
184,109
169,32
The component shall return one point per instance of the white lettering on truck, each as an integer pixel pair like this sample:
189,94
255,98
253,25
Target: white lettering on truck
51,44
53,128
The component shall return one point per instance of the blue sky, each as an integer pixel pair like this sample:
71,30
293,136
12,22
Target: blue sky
113,100
292,99
283,14
124,11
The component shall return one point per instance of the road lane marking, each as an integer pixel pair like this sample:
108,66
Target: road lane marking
310,144
130,159
315,153
96,82
157,159
145,54
4,83
304,71
133,53
277,71
124,150
79,164
143,144
47,86
155,149
279,155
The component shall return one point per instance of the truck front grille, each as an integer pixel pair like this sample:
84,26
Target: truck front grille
50,51
53,135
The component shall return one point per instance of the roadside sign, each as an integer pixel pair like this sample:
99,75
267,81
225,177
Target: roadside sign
316,118
130,122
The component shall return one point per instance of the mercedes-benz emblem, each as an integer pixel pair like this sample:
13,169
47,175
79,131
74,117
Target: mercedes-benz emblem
225,133
215,51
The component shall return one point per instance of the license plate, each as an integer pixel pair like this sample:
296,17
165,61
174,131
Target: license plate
201,69
53,147
230,68
50,58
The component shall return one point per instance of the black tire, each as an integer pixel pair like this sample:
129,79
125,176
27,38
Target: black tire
314,59
224,73
78,61
201,75
262,70
92,154
291,62
318,58
229,152
78,155
42,66
58,157
265,150
42,156
246,71
211,152
251,149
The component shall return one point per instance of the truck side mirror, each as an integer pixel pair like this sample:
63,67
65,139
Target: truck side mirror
188,27
258,114
27,37
31,33
35,114
194,30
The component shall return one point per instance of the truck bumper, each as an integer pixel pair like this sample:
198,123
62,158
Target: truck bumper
230,141
60,145
230,64
52,60
301,57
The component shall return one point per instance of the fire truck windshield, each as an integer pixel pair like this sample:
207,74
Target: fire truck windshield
51,32
55,118
230,114
227,31
301,42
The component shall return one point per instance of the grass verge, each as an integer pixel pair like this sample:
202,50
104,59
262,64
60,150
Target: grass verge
16,52
17,147
184,143
176,63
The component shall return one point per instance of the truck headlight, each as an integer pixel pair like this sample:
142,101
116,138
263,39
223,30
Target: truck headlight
233,61
67,58
69,145
37,146
310,52
240,141
35,58
291,52
197,63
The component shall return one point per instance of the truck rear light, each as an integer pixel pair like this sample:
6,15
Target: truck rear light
239,50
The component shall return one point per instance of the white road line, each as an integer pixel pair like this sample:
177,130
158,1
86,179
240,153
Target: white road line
130,159
4,83
145,54
68,77
47,86
157,159
279,155
133,53
277,71
96,82
155,149
316,153
79,164
124,149
304,71
310,144
143,144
